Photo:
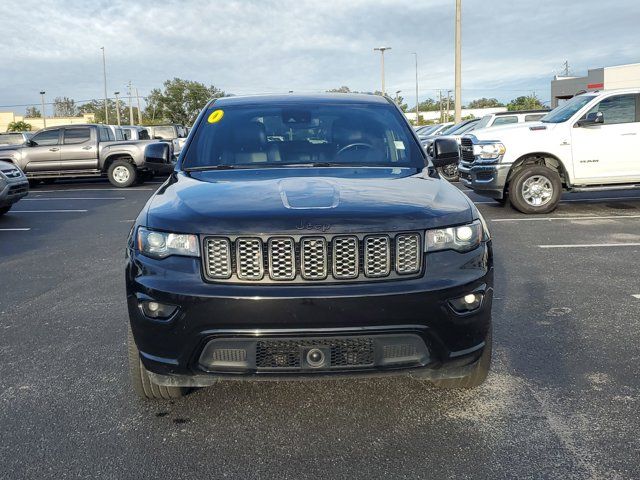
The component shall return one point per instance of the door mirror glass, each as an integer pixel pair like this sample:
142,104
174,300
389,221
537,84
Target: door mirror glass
444,151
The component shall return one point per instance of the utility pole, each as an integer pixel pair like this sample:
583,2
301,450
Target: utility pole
458,88
117,106
139,110
381,50
566,68
417,99
44,115
448,104
130,106
106,100
398,96
440,104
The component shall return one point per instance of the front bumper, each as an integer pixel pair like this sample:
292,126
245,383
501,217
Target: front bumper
171,349
485,179
13,191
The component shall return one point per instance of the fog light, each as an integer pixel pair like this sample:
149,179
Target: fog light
157,310
468,303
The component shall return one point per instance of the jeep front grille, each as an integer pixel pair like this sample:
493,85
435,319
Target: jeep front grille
321,258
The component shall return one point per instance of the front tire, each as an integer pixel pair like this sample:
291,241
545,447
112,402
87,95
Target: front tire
535,189
479,373
449,173
122,174
140,380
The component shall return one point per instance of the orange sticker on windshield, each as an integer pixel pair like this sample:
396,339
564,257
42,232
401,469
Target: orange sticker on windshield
216,116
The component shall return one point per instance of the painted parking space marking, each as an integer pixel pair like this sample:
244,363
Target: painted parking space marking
121,190
75,198
636,295
593,245
14,229
49,211
603,199
573,218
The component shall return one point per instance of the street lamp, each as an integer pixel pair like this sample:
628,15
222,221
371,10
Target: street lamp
397,93
106,100
381,50
117,106
417,100
44,117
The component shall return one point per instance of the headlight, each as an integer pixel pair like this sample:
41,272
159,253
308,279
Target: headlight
462,238
162,244
489,150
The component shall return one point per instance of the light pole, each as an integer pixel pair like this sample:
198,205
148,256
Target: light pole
417,100
117,106
106,100
397,95
44,117
130,106
458,87
381,50
448,99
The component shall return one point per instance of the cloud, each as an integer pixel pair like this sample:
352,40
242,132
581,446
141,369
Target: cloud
509,48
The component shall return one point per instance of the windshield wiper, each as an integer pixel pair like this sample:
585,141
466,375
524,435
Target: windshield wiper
211,167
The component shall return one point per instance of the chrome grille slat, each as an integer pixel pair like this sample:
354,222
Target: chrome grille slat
218,260
313,258
249,259
377,256
282,264
408,251
345,257
322,258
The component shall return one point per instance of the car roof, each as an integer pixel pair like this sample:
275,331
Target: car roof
515,112
292,98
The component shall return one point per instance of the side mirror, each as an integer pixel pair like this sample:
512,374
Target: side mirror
157,154
444,151
592,118
30,143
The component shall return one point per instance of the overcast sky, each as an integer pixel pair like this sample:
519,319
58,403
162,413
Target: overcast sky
509,48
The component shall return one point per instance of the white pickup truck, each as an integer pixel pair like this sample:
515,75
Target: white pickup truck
590,143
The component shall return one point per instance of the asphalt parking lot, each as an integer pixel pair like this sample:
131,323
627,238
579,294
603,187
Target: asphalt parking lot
562,400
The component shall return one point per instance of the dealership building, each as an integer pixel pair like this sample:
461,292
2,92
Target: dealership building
604,78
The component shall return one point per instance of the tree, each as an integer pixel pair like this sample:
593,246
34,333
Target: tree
179,102
485,103
342,89
96,108
32,112
20,126
527,102
64,107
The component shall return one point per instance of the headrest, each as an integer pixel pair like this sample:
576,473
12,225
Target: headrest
250,135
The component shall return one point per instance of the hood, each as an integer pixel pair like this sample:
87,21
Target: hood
4,148
305,201
496,133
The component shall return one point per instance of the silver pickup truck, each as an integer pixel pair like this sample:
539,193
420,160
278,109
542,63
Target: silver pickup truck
87,151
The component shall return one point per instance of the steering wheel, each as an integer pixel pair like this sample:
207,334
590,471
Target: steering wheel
353,145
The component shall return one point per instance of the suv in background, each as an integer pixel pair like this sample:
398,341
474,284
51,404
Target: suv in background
134,132
13,186
507,118
173,132
14,138
589,143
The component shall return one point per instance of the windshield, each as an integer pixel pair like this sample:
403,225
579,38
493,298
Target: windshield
427,130
11,138
566,111
310,134
484,121
458,128
166,133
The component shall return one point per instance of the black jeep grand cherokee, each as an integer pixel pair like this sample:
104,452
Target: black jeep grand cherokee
307,236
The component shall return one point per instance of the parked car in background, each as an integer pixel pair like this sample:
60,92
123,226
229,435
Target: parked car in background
174,132
14,138
433,130
87,151
134,132
327,250
450,172
507,118
13,186
589,143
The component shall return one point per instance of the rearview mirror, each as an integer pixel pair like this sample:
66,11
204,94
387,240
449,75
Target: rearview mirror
592,118
444,151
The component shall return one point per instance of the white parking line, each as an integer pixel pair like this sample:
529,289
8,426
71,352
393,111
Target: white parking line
49,211
121,190
14,229
603,199
636,295
76,198
546,219
592,245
